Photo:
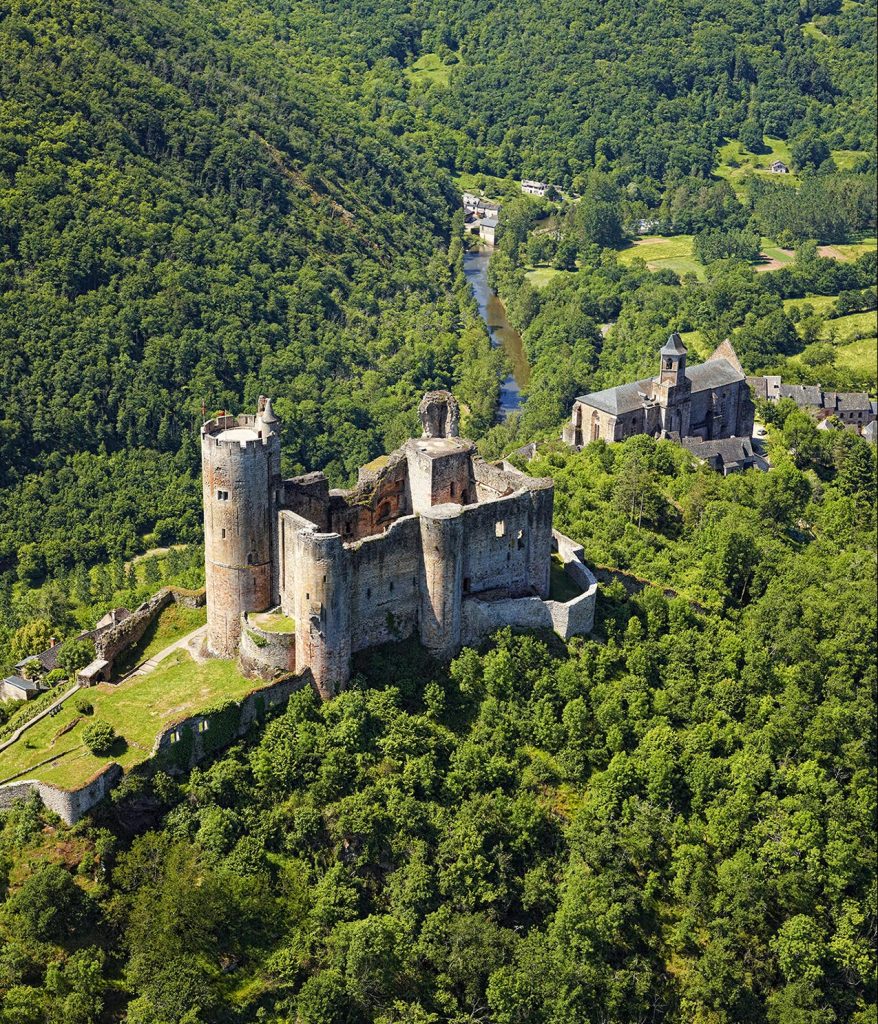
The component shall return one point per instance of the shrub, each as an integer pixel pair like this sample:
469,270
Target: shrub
84,706
99,737
57,675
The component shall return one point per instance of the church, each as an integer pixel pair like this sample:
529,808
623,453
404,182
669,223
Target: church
709,401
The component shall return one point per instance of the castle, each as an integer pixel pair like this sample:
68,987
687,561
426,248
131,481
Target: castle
709,401
433,543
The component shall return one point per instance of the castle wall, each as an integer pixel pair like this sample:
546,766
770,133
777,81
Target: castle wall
385,585
442,539
495,546
440,472
264,653
322,609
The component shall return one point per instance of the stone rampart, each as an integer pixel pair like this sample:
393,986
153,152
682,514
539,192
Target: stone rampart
264,653
190,740
68,804
198,736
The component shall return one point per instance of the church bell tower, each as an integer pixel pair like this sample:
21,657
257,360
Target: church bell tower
672,387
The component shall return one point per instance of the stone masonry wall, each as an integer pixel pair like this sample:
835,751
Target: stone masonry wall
69,805
263,653
384,574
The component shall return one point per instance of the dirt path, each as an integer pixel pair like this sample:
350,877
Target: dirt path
38,718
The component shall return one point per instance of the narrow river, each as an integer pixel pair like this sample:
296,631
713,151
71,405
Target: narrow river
503,334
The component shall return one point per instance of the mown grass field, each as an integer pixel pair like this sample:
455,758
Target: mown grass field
733,153
138,709
673,252
859,356
539,277
821,304
428,68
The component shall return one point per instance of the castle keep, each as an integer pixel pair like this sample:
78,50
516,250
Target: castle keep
434,543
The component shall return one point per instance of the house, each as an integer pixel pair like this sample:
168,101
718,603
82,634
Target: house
854,409
488,229
19,688
534,188
709,401
48,659
478,206
726,455
779,167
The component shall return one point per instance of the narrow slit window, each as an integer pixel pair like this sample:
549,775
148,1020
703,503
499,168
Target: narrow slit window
466,584
222,533
500,528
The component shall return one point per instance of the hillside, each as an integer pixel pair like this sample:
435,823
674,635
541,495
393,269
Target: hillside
192,213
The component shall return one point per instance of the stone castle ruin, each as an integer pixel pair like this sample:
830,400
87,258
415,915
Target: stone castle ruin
433,543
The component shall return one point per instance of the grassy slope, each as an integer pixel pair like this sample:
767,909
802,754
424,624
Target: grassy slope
138,710
859,356
428,68
172,624
673,252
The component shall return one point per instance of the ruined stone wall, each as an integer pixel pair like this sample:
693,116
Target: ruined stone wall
496,545
307,496
190,736
110,644
264,653
69,805
238,489
385,574
482,617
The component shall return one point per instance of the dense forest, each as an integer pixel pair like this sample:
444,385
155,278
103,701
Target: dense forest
671,820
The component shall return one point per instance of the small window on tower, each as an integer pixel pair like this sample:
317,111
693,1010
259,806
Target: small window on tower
222,533
520,540
452,489
500,528
669,364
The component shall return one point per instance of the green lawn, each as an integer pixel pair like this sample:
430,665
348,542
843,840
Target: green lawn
734,152
673,252
844,329
429,68
138,710
273,622
849,250
539,277
173,623
822,304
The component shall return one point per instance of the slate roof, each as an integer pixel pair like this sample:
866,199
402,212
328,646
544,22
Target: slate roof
715,373
489,222
622,398
674,346
803,394
726,452
20,683
870,431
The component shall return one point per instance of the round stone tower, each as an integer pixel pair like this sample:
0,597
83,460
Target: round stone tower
240,468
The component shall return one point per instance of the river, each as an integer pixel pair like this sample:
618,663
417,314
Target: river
503,334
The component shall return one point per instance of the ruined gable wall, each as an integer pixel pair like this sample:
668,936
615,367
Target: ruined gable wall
380,497
495,545
307,496
385,574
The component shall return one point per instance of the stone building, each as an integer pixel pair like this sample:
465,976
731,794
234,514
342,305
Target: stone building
433,542
709,401
853,409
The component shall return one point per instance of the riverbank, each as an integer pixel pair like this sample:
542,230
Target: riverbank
502,333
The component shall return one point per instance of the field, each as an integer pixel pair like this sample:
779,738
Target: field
539,277
429,69
697,345
138,710
733,153
821,304
859,356
660,251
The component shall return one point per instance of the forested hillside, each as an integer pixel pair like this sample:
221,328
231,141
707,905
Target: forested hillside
672,820
192,213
